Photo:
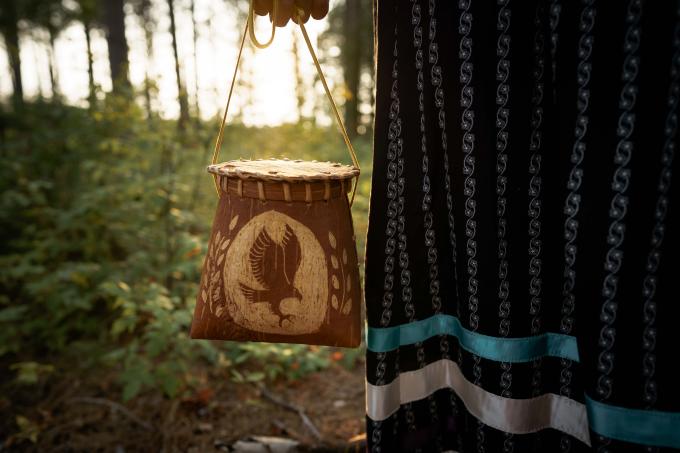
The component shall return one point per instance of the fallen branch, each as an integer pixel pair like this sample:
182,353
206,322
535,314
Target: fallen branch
286,430
114,407
291,407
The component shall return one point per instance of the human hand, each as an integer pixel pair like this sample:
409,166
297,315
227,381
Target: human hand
287,9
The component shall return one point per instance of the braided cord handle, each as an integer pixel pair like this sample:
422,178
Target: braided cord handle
250,30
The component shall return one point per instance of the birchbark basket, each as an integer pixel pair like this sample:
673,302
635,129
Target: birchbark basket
282,262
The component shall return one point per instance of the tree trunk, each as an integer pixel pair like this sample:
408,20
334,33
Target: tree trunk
92,98
351,64
37,61
182,94
10,31
197,110
114,20
148,26
299,82
54,78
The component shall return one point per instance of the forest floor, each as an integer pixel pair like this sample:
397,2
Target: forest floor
78,413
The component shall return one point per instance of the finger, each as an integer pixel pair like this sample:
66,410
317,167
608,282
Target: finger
304,14
319,9
285,12
262,7
306,7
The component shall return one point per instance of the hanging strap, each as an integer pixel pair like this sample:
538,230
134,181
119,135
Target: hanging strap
250,23
250,30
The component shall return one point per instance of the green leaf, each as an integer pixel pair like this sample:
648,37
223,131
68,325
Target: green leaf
237,377
131,389
255,376
27,429
30,372
156,343
135,377
169,378
11,314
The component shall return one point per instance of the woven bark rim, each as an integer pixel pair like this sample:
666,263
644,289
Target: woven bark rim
284,170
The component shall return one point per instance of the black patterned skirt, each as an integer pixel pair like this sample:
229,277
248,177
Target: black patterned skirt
524,227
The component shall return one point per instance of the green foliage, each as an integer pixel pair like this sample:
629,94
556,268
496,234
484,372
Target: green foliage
105,217
30,372
289,360
28,430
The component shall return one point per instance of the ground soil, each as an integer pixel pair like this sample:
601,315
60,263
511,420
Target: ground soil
84,413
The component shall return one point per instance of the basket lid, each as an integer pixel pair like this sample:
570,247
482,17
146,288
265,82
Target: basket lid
284,170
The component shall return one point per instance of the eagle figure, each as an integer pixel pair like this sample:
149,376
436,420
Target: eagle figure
274,267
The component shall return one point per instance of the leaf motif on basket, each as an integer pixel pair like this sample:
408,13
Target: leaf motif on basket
233,223
212,291
340,301
347,308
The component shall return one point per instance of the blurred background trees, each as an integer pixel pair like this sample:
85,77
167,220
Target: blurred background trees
346,43
105,206
351,30
113,16
10,14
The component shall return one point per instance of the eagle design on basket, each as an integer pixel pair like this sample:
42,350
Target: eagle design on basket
274,266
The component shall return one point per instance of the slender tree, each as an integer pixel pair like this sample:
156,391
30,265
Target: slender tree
182,93
114,22
143,10
37,61
192,6
86,14
299,81
351,63
9,28
368,62
52,66
350,28
53,17
92,97
245,85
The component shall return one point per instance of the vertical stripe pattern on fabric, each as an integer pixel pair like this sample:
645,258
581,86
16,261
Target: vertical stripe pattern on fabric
535,184
404,272
554,21
562,219
436,78
649,284
428,217
470,181
572,202
618,207
502,137
394,143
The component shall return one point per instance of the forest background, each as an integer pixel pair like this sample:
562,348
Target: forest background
108,113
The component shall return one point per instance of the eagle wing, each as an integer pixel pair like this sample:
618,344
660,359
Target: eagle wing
292,253
249,293
259,257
